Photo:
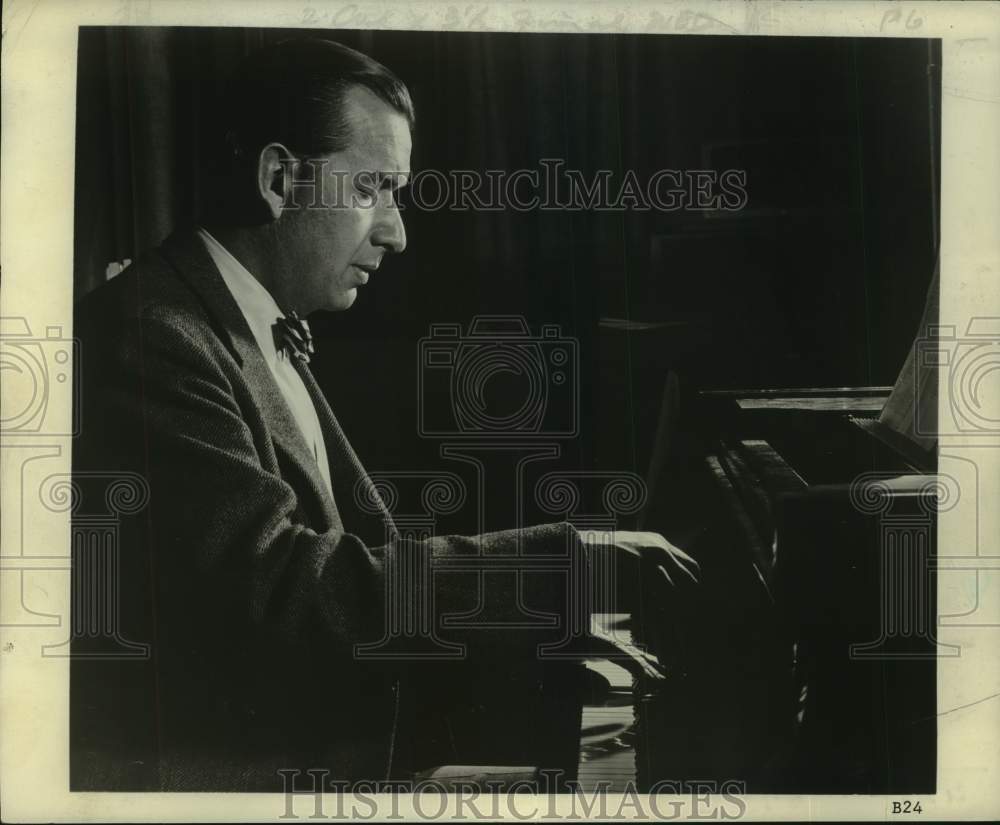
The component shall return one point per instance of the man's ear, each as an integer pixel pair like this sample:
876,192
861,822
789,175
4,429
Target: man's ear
274,177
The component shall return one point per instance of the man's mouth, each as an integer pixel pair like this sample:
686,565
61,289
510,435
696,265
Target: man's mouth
365,270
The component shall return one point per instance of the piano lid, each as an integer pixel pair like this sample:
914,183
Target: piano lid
907,413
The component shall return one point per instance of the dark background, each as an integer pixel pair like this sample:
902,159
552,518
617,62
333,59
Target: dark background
820,281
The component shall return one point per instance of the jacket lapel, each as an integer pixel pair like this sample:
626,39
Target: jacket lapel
186,252
365,513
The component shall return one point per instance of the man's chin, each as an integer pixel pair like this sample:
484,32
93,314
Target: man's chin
342,300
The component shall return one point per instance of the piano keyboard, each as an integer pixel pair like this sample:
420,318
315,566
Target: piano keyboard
607,729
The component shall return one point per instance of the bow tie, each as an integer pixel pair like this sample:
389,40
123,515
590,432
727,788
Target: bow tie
292,335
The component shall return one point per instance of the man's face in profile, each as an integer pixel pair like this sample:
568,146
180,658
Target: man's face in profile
342,216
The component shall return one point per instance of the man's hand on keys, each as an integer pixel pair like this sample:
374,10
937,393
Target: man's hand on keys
661,567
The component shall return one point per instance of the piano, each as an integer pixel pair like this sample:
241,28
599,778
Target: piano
597,728
814,513
832,506
836,511
825,501
827,498
833,514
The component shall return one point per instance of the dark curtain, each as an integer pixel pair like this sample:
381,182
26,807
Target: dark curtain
821,280
146,97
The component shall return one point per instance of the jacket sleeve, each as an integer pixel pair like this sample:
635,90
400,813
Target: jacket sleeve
227,552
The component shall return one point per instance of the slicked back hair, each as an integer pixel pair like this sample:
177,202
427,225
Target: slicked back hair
293,93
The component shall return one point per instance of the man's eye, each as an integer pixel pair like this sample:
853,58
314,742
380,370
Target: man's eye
367,197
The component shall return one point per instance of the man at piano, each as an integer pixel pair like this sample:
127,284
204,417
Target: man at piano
261,561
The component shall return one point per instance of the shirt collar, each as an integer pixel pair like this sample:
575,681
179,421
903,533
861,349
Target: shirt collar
255,302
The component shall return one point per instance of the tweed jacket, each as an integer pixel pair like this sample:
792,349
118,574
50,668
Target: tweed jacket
248,583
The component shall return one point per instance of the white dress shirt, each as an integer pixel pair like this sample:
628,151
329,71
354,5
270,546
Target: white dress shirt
261,312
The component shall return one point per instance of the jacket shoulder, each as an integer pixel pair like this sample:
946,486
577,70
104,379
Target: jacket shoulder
147,289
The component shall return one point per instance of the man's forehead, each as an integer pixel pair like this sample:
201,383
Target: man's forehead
380,134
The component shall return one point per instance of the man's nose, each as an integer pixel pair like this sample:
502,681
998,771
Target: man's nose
389,231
